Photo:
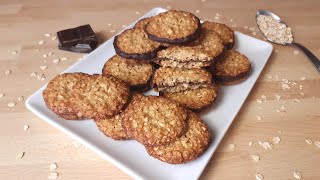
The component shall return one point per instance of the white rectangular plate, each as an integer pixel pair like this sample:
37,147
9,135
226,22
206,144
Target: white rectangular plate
130,156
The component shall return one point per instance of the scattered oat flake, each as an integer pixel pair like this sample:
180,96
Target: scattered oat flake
53,166
232,146
11,104
109,24
278,110
47,34
45,55
2,95
302,78
317,143
76,144
53,175
64,59
50,53
259,101
280,132
296,100
297,175
20,155
112,31
285,86
246,27
308,141
278,97
25,127
267,145
197,11
217,17
302,94
255,157
264,98
56,61
137,12
124,26
14,52
37,50
259,176
21,98
7,72
295,52
259,117
43,67
260,143
54,38
41,42
276,140
33,74
250,143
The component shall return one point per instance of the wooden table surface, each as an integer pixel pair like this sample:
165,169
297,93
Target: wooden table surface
24,23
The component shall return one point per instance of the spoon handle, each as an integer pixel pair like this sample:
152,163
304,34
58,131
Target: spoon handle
310,55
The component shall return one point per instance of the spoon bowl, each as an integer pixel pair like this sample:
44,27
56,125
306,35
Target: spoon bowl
308,53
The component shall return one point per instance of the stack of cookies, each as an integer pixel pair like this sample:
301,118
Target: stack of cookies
181,59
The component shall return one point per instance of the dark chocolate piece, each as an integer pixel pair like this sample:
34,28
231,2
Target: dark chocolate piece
81,39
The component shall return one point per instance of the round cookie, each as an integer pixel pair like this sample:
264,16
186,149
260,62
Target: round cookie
155,120
231,68
135,73
174,27
195,99
135,44
188,147
100,96
58,94
226,33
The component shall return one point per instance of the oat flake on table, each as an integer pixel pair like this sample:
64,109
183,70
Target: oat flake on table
308,141
276,139
20,155
297,175
317,143
267,145
259,176
53,166
25,127
255,157
53,175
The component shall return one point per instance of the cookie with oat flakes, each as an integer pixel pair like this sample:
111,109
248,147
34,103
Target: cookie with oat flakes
155,120
100,96
231,68
58,94
174,27
195,99
135,44
136,73
186,148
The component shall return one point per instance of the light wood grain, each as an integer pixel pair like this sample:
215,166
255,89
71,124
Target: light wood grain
23,23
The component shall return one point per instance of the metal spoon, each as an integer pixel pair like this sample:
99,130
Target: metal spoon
308,53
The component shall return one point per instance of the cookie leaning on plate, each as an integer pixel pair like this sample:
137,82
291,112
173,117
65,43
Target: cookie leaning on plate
195,99
231,68
58,94
178,79
136,73
155,120
188,147
223,30
100,96
174,27
135,44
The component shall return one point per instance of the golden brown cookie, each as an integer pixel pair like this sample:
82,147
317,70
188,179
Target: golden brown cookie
195,99
155,120
174,27
231,68
58,94
200,53
135,44
176,79
226,33
188,147
100,96
136,73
